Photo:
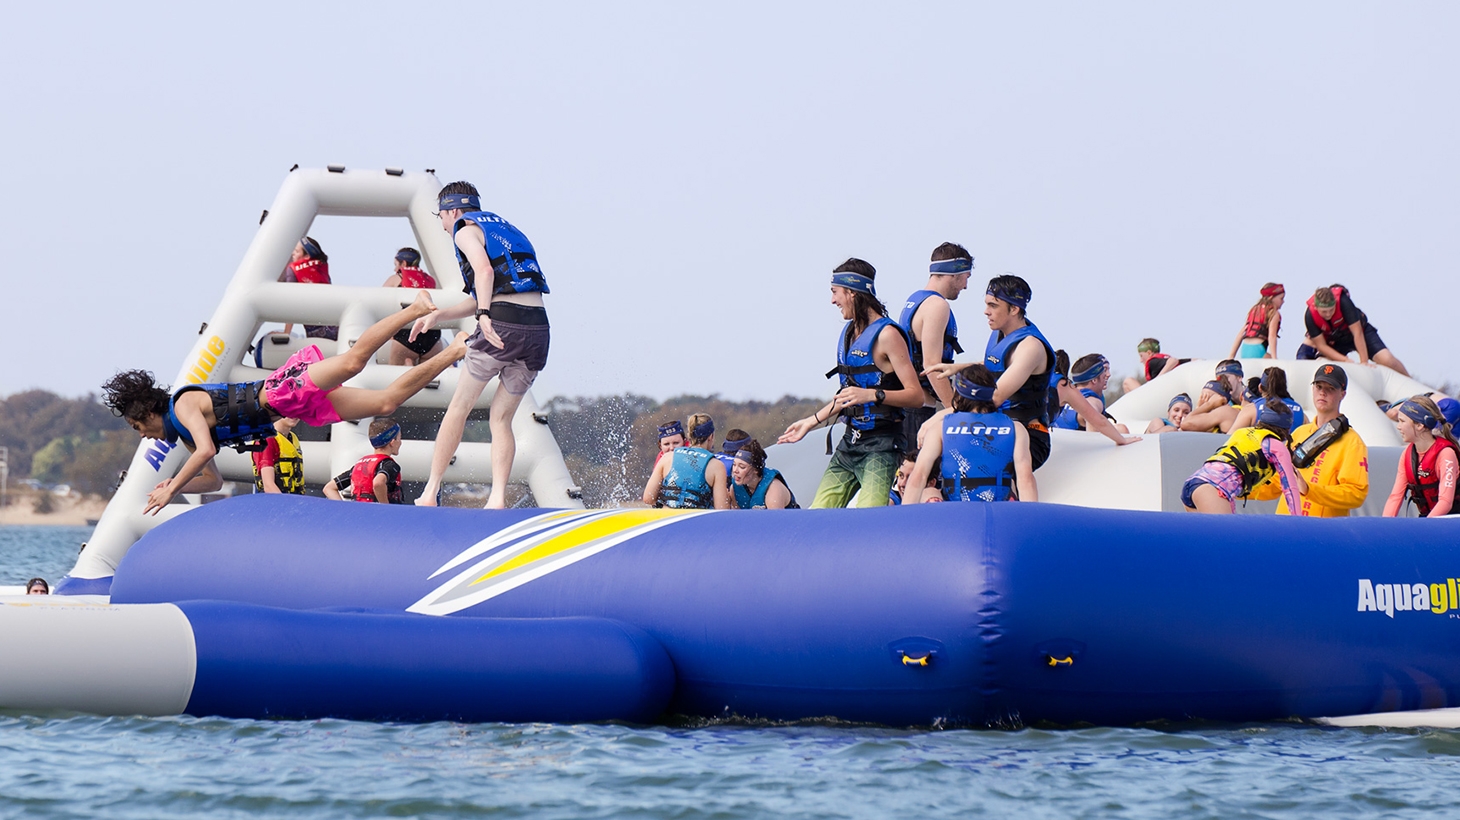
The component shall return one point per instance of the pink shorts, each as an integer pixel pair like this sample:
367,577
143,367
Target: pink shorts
293,394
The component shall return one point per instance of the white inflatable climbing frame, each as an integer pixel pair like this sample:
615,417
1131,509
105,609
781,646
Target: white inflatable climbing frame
255,297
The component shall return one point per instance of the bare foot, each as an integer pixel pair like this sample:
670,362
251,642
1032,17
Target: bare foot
423,304
428,497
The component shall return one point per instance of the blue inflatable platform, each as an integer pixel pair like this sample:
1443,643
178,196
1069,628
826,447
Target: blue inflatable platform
952,614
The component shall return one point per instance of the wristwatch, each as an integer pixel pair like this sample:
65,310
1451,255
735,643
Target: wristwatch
484,312
881,395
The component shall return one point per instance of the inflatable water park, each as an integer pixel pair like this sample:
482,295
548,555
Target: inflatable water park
1102,604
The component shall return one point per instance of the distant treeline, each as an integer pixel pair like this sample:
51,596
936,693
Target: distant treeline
609,441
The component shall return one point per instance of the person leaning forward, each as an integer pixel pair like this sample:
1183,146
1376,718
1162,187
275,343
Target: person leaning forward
1329,455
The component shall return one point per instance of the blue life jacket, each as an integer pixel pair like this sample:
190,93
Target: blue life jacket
1031,402
747,500
950,334
514,262
978,457
685,486
1068,419
728,459
244,422
856,364
894,498
1298,416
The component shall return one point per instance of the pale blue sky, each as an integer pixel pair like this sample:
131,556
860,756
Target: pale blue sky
690,173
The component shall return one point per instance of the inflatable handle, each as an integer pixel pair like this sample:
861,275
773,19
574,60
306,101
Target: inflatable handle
1067,660
908,660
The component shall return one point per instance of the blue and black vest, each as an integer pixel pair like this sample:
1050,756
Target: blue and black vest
1298,415
728,459
1068,419
950,334
685,486
1030,403
514,262
856,364
747,500
978,457
243,419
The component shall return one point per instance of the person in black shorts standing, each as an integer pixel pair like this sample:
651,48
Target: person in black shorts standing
1335,327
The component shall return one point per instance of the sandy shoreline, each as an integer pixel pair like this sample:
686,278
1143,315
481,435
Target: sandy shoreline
71,511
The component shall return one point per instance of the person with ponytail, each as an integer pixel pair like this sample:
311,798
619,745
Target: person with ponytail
1271,386
405,351
1258,339
1251,456
311,265
690,477
758,487
980,453
1429,463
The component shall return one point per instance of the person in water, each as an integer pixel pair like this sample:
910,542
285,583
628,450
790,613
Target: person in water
735,440
1176,411
37,586
376,477
405,351
310,265
1336,327
1428,466
980,453
1219,402
279,467
690,477
205,417
1251,456
927,319
1271,386
671,437
758,487
877,384
1329,455
500,271
1258,338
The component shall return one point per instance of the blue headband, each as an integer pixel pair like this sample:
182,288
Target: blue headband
751,459
466,202
704,430
1218,388
673,428
409,256
973,392
386,436
951,266
1419,415
311,248
1018,300
732,445
1090,373
854,281
1180,398
1230,369
1276,414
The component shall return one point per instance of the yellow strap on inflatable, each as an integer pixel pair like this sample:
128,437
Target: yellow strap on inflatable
1065,661
911,661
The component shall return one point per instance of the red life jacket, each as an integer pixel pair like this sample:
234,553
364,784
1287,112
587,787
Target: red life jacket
311,271
362,478
1329,327
1421,476
1155,357
1257,323
416,278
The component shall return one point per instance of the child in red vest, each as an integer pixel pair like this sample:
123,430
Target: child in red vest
376,477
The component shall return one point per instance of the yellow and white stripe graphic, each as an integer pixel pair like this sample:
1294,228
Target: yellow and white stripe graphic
543,544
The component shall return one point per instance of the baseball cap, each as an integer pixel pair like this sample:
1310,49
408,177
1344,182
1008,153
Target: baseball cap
1333,375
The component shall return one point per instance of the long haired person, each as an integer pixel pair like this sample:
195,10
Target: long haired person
1258,339
1251,456
1427,468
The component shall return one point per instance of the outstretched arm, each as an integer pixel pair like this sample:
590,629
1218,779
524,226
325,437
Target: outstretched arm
1095,421
799,428
203,450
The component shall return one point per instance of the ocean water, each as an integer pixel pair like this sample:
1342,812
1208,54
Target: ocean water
82,766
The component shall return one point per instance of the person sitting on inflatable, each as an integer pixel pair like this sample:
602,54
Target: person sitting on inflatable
1153,363
1428,466
1090,375
1251,456
376,477
1176,411
206,417
1329,455
1258,338
877,383
1219,401
1336,328
310,265
758,487
927,319
671,436
279,467
1273,382
980,453
405,351
735,440
691,477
